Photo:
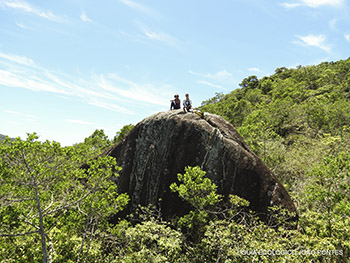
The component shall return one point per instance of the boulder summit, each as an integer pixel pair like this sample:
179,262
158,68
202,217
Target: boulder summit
162,145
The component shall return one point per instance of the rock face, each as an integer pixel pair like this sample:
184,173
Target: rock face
162,145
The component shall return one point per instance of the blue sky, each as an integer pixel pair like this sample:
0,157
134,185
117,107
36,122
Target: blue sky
69,67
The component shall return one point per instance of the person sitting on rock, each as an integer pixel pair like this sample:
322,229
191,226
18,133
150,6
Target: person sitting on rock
187,103
175,103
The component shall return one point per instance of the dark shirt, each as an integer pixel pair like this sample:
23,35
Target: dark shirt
175,104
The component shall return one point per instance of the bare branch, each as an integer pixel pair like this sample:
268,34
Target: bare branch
76,202
20,234
81,211
26,163
69,205
7,201
47,208
30,223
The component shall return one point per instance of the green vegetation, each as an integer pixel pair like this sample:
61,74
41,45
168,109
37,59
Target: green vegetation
50,208
296,120
3,137
292,119
98,141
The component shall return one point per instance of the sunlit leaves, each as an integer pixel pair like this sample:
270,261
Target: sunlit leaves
195,188
43,190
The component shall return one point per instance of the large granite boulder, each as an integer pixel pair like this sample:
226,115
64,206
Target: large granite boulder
162,145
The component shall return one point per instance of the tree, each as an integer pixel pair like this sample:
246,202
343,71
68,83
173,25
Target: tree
200,192
122,133
218,96
329,190
92,146
42,186
148,241
250,82
98,140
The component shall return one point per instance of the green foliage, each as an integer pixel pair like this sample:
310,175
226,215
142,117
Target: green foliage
149,241
92,146
122,133
254,132
200,192
234,235
214,100
250,82
3,137
291,101
290,111
98,142
297,121
329,193
47,199
231,242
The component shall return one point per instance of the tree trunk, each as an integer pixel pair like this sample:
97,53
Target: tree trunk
41,226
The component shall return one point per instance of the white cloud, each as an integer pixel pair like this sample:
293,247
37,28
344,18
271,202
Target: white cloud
291,5
14,123
76,88
79,122
317,3
220,80
223,74
13,112
110,106
18,59
21,25
23,72
32,116
30,120
148,35
27,117
130,90
137,6
160,36
347,37
108,91
19,80
220,76
318,41
333,23
26,7
254,69
209,84
314,3
85,18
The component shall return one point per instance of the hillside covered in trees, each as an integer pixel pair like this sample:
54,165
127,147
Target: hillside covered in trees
292,119
296,120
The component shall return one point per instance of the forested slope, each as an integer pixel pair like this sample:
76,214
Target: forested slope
306,100
293,118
